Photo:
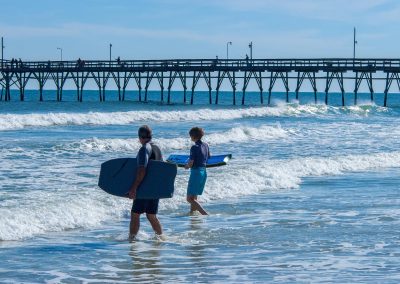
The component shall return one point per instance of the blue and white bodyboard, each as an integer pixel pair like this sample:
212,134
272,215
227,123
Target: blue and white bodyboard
213,161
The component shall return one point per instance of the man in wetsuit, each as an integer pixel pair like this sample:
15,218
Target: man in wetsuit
147,152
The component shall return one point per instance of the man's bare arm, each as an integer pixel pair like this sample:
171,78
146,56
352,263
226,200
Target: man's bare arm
140,174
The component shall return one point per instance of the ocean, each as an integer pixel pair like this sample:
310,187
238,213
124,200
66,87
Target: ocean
310,196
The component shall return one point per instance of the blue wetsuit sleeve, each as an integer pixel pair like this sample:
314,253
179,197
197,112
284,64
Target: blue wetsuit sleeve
192,153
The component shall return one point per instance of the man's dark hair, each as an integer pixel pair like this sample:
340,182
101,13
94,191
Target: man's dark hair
196,132
145,132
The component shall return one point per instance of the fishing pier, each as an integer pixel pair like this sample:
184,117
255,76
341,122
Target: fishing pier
15,74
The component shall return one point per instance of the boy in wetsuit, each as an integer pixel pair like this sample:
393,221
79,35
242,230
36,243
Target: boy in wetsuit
147,152
199,154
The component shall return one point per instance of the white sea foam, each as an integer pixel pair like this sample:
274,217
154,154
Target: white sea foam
236,134
55,213
274,175
166,114
66,197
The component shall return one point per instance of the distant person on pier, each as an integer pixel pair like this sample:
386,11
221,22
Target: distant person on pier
216,61
199,154
148,151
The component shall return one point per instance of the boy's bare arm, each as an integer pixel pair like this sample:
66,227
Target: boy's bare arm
189,164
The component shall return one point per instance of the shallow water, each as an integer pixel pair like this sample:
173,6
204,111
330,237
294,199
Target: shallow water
312,194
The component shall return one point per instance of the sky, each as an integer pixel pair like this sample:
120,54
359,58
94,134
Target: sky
166,29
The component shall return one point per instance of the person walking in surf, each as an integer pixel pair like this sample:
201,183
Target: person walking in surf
147,152
199,154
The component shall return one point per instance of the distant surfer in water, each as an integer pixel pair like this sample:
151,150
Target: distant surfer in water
147,152
199,154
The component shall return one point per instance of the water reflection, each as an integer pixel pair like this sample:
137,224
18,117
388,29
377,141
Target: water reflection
146,261
196,248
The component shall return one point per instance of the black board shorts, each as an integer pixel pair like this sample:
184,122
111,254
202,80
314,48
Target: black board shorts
149,206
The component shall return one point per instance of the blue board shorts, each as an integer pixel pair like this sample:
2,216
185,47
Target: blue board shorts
197,181
148,206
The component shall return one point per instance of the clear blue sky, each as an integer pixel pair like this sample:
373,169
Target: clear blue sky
156,29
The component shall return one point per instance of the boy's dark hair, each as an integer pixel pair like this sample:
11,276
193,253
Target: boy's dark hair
196,132
145,132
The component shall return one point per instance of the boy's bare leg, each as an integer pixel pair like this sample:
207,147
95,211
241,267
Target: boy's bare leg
194,205
134,225
155,223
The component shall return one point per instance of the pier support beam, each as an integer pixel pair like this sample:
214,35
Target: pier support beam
41,78
161,82
172,77
127,77
7,79
59,79
300,79
184,86
219,82
329,78
196,78
247,77
117,79
389,80
274,76
101,80
368,77
80,80
22,80
138,79
160,79
170,83
148,81
1,86
209,87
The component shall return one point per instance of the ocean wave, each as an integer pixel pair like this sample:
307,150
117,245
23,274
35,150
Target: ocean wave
51,213
167,114
236,134
277,175
71,199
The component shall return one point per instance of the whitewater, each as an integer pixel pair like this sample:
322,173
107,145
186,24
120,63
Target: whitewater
311,194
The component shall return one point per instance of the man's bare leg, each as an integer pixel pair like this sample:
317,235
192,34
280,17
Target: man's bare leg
134,225
155,223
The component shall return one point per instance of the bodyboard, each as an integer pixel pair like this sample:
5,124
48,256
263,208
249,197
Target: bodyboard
213,161
118,175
